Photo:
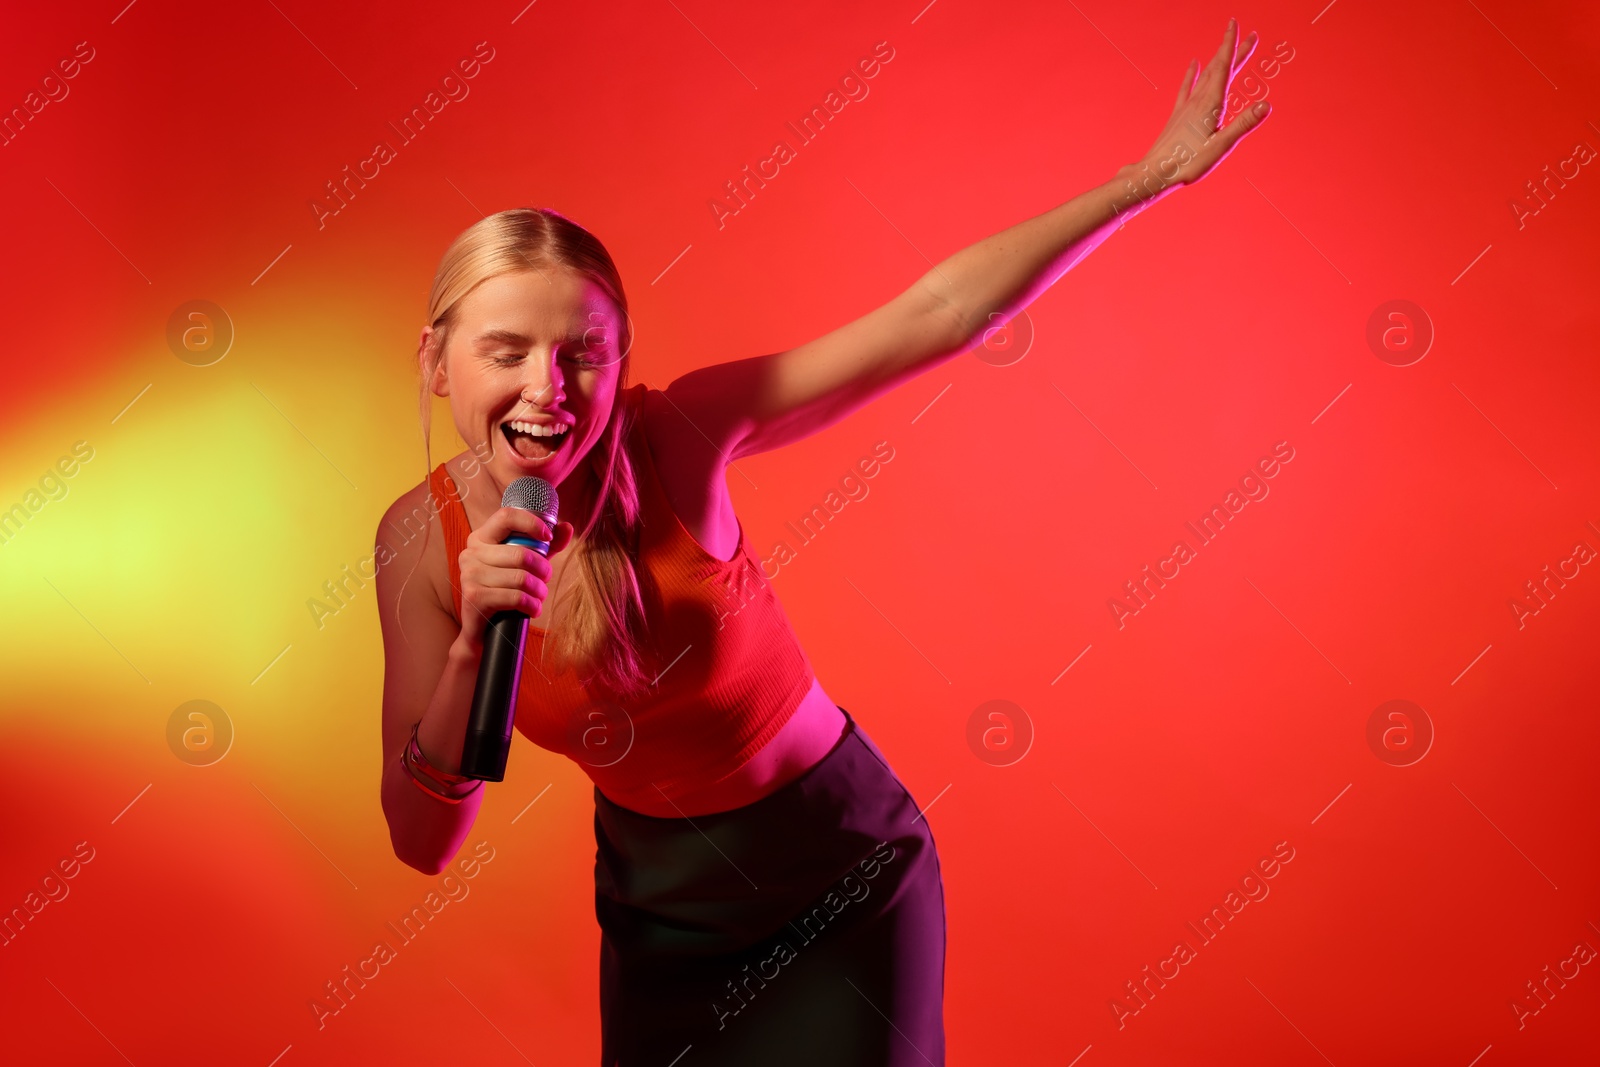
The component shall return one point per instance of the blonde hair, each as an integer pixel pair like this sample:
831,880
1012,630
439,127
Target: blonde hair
598,628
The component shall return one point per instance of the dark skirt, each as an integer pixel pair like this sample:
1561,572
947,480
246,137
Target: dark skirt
805,928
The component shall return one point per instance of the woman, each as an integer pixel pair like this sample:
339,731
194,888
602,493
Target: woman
766,888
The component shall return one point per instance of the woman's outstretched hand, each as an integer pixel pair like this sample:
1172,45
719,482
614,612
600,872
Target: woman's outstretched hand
1192,144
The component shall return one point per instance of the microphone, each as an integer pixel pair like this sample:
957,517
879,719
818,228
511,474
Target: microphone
494,701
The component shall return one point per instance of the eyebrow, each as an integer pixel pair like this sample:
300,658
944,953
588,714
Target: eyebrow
517,340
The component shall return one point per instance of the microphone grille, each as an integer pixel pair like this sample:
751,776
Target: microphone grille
531,494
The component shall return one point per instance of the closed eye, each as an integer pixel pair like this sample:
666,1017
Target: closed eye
577,355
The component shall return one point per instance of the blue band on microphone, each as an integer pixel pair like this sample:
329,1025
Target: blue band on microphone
542,547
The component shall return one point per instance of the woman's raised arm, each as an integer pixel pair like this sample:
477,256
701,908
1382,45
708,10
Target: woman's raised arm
754,405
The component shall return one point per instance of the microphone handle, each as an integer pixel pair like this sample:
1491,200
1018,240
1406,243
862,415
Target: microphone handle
494,701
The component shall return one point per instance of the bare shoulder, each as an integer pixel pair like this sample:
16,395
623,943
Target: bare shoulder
410,552
692,471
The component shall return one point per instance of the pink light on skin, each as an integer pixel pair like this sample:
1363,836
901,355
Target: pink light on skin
536,345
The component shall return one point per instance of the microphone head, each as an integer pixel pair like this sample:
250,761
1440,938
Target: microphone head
532,494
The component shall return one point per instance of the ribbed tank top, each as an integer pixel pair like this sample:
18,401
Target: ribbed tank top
727,668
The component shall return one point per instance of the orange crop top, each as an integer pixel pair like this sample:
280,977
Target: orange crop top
728,668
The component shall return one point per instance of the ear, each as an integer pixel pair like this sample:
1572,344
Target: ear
438,380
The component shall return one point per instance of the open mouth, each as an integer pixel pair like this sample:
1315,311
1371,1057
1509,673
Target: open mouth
534,442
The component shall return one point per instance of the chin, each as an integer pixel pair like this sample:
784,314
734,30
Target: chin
552,468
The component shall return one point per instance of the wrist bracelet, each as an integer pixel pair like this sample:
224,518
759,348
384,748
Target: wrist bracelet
447,793
414,751
450,788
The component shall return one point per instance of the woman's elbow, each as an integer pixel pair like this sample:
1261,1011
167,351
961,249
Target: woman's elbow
403,836
430,866
419,859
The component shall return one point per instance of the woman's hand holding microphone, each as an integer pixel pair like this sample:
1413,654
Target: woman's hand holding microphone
500,577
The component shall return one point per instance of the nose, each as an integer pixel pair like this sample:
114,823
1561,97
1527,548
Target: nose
543,384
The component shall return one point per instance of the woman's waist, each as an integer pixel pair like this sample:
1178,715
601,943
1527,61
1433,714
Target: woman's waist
680,757
747,865
809,733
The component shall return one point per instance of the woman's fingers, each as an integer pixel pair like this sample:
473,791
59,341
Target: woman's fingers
1246,48
1195,138
1239,61
563,537
1230,38
1213,75
1220,72
1231,134
1186,85
514,556
499,578
488,601
503,584
1238,64
506,521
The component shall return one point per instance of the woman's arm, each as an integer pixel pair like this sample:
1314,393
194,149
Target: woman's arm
428,678
755,405
430,661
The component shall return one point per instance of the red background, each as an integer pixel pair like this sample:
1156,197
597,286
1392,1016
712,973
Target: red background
1222,719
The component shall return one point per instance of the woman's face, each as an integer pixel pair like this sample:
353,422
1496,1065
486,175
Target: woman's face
533,349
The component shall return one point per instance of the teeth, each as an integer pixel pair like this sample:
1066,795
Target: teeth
536,430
